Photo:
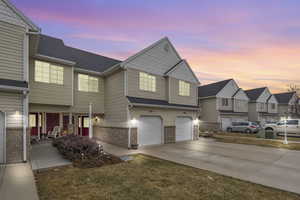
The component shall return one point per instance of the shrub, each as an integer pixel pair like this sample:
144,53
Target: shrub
83,152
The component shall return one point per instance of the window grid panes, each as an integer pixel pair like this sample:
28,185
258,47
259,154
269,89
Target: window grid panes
48,73
147,82
87,83
184,88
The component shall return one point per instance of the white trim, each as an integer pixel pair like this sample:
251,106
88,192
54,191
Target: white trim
26,57
25,122
53,59
163,106
73,83
129,127
76,69
125,83
189,68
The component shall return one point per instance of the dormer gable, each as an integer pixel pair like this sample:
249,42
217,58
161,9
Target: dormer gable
228,90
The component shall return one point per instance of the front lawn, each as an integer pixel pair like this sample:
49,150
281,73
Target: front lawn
148,178
256,141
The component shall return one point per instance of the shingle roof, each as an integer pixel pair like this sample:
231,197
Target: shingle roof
253,94
54,47
157,102
284,98
212,89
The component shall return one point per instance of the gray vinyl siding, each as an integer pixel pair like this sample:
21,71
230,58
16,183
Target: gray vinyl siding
82,99
12,105
48,93
176,98
209,111
221,107
133,86
6,14
114,100
252,112
48,108
11,51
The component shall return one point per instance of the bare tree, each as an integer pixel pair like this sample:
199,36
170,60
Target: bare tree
294,88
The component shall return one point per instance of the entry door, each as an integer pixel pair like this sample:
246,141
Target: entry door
2,137
150,131
183,128
83,126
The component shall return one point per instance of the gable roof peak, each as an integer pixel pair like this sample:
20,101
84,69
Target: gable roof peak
212,89
255,93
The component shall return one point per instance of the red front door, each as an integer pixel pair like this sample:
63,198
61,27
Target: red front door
83,128
52,121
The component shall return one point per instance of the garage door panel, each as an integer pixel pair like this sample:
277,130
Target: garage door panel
150,131
226,122
183,128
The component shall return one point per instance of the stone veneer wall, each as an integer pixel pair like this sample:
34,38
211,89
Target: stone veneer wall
133,136
14,145
169,134
112,135
209,126
196,133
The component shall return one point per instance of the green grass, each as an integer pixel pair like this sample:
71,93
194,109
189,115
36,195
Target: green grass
148,178
255,141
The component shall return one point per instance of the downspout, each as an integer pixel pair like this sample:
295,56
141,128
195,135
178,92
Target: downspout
25,122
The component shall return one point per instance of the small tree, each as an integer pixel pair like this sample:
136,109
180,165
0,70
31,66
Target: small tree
294,88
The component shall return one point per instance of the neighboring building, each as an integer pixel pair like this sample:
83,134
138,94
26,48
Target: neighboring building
288,105
221,104
263,106
17,36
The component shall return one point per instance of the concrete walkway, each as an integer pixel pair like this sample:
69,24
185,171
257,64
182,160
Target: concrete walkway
278,168
45,156
18,183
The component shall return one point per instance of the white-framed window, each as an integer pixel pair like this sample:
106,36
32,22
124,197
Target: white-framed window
48,73
87,83
225,102
32,120
86,122
184,88
147,82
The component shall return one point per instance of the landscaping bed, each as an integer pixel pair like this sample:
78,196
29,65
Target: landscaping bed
148,178
84,152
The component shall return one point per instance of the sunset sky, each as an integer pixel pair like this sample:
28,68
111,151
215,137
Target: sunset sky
256,42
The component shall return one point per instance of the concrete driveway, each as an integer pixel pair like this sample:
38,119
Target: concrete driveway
272,167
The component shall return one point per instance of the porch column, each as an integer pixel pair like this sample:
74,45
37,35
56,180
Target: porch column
38,125
70,118
45,123
70,126
61,116
76,124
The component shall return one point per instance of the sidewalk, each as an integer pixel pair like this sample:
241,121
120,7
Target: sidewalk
18,183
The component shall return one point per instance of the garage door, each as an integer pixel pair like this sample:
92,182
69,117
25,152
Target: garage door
2,138
183,128
150,131
226,122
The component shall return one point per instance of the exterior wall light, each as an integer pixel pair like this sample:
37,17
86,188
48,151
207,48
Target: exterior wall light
133,121
196,121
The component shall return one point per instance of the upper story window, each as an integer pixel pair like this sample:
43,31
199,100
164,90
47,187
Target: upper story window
87,83
184,88
225,102
273,106
262,106
48,73
147,82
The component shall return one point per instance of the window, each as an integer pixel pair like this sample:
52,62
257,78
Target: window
262,106
48,73
32,120
86,122
292,122
184,88
87,83
147,82
225,102
273,106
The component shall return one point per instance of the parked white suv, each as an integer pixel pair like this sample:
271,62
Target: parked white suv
292,127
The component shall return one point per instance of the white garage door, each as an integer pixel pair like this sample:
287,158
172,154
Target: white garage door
150,131
226,122
2,138
183,128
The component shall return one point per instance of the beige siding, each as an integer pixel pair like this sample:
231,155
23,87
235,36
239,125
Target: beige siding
240,105
82,99
115,101
221,107
134,91
270,110
11,51
6,14
176,98
209,111
48,108
52,94
11,104
168,115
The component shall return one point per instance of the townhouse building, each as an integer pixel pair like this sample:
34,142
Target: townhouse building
149,98
263,106
288,105
221,104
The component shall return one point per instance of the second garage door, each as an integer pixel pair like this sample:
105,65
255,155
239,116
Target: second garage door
150,131
225,122
183,128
